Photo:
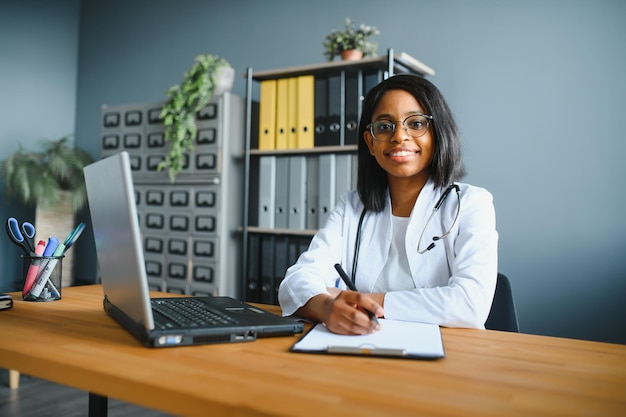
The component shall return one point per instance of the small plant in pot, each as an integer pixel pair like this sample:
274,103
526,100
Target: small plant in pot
351,39
209,76
39,178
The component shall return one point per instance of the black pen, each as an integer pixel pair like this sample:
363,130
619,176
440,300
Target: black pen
351,287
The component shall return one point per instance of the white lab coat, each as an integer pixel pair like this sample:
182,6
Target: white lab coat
454,282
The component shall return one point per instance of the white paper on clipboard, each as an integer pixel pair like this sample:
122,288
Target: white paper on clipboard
396,338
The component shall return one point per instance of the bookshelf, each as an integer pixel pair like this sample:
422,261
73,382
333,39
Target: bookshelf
289,190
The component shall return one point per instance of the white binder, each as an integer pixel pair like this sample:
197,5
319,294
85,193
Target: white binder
281,193
312,192
343,173
267,191
296,216
327,186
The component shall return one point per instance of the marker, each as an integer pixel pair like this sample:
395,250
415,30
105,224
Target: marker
59,250
43,277
351,287
51,246
33,269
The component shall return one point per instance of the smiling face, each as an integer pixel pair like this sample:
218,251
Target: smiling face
403,157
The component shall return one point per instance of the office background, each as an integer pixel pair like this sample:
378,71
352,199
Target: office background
537,87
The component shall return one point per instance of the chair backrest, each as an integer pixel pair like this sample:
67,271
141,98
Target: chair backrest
503,315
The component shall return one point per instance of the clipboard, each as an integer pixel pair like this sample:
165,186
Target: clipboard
396,339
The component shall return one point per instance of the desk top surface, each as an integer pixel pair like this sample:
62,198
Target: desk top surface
73,342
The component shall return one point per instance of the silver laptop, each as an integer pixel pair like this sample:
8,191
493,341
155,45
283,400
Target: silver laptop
158,322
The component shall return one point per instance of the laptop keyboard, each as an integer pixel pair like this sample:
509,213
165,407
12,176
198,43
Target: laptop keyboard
187,312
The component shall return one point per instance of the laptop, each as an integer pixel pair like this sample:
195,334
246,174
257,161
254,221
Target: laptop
158,322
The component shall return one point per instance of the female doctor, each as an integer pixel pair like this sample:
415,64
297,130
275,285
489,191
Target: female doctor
417,245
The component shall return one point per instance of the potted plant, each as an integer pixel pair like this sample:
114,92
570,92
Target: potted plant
340,41
209,76
51,179
40,178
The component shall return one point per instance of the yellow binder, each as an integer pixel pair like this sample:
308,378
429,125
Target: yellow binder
306,111
292,114
282,112
267,115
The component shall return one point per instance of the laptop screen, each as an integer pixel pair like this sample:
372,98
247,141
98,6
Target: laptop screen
117,236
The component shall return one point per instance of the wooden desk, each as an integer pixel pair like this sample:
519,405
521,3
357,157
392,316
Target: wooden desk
485,373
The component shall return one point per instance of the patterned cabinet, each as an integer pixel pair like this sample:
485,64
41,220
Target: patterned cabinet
190,228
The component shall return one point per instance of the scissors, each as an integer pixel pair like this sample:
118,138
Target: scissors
24,236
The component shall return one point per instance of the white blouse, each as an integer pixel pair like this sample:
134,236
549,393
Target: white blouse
396,274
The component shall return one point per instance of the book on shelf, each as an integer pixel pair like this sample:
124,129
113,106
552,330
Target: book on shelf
334,110
352,106
327,185
267,115
305,112
267,191
292,113
312,192
321,110
281,192
267,268
282,114
296,213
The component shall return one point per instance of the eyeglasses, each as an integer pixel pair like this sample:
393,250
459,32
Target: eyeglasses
415,125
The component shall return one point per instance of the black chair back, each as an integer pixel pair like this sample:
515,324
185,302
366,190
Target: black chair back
503,315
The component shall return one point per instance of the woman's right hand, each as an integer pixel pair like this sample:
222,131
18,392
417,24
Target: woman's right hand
344,312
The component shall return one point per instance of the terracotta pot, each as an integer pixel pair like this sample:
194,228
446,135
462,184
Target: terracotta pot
351,55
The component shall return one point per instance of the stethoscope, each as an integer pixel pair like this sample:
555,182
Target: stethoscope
357,240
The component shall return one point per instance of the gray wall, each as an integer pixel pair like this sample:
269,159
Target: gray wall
38,72
537,87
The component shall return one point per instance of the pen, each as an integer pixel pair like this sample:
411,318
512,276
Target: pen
73,237
351,287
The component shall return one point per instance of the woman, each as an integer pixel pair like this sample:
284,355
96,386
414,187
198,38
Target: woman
404,264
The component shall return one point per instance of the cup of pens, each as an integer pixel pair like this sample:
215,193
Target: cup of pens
42,277
43,262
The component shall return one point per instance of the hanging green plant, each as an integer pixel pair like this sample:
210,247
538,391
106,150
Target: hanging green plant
178,115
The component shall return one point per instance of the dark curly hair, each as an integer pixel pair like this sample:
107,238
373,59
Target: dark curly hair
447,165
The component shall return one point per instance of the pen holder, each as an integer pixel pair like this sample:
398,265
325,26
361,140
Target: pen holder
42,278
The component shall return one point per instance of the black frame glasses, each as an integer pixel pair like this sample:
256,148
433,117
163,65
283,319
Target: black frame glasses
380,125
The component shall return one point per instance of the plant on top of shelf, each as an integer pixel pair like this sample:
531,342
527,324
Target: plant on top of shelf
209,76
39,178
338,41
